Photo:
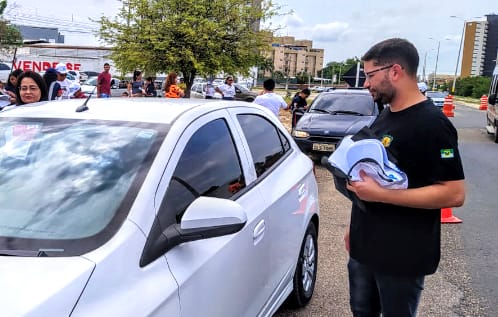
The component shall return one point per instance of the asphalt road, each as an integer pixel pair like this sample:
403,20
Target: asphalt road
466,283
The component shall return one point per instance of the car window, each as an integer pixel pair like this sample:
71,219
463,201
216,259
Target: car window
361,103
208,166
266,142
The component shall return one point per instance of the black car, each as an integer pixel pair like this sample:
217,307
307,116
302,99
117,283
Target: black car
331,116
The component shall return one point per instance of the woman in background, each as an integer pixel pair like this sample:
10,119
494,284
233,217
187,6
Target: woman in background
30,88
227,90
135,88
171,89
10,86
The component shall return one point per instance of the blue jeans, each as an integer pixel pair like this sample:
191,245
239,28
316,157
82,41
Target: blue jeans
372,293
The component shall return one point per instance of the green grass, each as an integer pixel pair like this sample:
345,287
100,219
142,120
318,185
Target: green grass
468,99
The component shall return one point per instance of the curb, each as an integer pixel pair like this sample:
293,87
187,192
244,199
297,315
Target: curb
467,104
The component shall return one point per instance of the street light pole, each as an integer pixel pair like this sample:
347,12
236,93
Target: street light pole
435,68
458,58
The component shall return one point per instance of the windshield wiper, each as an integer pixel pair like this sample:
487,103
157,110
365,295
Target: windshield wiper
321,110
347,112
29,253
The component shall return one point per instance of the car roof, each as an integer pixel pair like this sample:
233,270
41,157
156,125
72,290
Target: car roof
152,110
345,91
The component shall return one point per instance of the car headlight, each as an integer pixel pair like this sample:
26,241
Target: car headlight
300,134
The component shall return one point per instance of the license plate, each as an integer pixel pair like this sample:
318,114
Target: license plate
323,147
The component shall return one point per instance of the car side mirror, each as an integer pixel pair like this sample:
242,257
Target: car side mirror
492,99
206,217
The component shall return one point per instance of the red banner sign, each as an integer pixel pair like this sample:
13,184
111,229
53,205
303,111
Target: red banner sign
42,66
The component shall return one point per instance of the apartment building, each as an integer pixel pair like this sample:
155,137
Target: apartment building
479,47
291,56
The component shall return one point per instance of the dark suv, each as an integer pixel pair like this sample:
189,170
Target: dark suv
331,116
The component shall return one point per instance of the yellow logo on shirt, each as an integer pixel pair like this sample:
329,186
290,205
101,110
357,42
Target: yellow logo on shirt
386,140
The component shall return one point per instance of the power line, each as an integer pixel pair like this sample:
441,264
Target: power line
63,24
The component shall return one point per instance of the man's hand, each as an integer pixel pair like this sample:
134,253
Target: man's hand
367,189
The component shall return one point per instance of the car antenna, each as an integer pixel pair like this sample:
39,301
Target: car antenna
84,107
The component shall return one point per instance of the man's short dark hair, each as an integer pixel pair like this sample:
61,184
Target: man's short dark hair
106,64
269,84
394,51
306,91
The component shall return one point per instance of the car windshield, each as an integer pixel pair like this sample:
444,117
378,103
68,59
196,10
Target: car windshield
63,181
344,103
436,94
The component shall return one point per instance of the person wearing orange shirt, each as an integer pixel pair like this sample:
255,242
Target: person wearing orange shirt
171,89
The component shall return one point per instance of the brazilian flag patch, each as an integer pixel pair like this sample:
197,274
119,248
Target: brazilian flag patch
447,153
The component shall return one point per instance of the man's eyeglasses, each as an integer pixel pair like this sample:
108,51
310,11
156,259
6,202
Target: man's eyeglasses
369,74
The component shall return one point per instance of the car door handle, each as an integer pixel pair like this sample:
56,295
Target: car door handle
259,232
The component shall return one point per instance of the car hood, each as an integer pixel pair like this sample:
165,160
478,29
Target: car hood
42,286
333,125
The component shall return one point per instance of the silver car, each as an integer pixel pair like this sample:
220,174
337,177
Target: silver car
153,207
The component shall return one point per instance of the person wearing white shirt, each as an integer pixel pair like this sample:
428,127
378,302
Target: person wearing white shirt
269,99
227,90
61,84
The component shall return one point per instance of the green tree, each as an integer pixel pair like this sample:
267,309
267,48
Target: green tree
303,78
338,68
10,37
192,37
473,87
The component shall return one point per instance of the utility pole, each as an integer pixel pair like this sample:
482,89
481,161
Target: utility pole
435,69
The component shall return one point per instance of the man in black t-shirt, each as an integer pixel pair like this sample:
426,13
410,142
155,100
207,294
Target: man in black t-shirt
298,105
395,241
299,100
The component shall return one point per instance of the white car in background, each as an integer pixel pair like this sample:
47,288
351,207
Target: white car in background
153,207
437,97
90,85
4,72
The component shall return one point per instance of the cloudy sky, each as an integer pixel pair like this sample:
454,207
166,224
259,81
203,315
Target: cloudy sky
343,28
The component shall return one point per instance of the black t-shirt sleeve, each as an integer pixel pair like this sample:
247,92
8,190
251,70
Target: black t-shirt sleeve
444,151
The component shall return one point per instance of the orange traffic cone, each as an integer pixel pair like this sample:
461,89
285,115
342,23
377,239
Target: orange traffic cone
448,106
447,216
484,103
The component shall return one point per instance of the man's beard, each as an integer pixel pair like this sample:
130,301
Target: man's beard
385,93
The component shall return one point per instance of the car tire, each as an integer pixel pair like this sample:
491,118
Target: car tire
306,270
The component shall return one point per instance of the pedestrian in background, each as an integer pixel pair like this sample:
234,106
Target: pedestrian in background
75,91
227,90
135,88
60,88
299,100
49,77
150,90
171,89
10,86
104,82
30,88
269,99
394,242
209,93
